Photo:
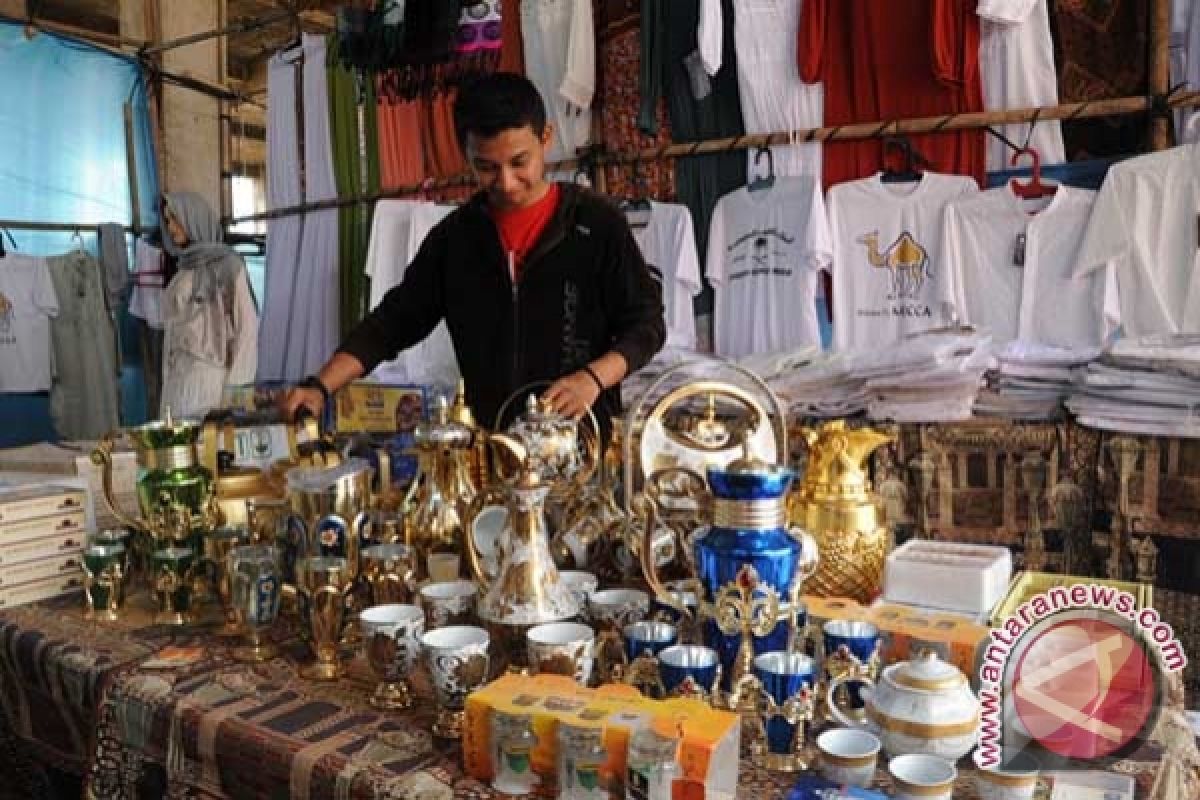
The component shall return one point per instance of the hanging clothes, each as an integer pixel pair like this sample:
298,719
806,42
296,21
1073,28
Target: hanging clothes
1015,268
700,181
559,39
1145,222
145,305
443,156
355,146
772,94
765,251
401,147
210,323
280,313
668,245
399,228
512,50
901,58
890,277
1016,65
114,257
84,401
27,304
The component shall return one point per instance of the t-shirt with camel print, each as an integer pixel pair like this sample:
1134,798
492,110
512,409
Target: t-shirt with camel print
888,276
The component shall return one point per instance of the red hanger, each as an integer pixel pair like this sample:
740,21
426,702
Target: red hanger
1034,188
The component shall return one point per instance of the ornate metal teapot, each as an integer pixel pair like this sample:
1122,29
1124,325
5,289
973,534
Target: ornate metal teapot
440,498
835,505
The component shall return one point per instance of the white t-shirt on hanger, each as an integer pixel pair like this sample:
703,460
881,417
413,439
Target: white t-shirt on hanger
560,58
668,243
765,251
1014,268
1145,221
27,303
1016,64
397,231
889,278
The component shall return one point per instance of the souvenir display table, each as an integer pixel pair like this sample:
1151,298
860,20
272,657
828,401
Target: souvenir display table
88,699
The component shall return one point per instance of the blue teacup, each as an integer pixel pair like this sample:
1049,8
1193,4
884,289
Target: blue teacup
649,637
680,662
861,639
784,675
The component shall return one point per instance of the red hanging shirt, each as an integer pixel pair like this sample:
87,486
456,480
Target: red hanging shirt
520,228
892,60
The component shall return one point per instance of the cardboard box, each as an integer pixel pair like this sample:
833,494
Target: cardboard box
26,593
365,407
23,503
42,548
708,753
75,459
64,565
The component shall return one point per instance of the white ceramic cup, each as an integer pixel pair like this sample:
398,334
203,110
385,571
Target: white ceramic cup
920,777
402,623
457,660
582,584
1015,781
562,648
616,608
848,756
448,603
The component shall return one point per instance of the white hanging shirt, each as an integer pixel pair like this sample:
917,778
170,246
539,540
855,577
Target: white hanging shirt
397,231
560,58
889,279
145,301
1014,268
1145,221
1016,65
765,250
772,95
27,302
668,243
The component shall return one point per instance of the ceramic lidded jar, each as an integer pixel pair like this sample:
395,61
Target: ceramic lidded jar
924,706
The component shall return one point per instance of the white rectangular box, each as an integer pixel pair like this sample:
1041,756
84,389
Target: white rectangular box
65,565
967,578
46,528
23,503
39,590
75,459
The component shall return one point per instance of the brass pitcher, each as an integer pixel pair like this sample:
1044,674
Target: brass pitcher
835,504
438,501
528,589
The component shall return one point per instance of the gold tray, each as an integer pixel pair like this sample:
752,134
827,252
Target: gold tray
1028,584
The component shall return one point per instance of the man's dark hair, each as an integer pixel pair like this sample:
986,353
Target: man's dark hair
497,102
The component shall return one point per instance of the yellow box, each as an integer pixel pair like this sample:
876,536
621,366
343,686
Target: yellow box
364,407
708,753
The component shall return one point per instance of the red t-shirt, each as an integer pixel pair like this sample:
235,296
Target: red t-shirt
902,58
520,228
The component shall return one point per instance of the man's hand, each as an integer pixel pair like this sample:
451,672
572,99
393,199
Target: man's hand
302,397
572,395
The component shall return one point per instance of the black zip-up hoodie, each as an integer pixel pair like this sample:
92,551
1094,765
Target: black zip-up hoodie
583,291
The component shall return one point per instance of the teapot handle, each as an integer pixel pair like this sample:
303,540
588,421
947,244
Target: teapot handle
840,717
478,573
807,566
650,564
102,457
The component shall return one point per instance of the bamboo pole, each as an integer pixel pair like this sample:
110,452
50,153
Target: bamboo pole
64,227
868,130
237,27
1158,76
135,205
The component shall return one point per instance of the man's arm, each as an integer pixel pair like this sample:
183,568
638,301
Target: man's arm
407,314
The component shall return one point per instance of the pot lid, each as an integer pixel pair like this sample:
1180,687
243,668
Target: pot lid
441,432
928,673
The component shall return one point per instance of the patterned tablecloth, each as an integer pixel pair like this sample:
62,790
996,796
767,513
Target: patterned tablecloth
88,699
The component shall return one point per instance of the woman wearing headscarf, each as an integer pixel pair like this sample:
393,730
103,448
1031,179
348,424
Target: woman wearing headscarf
210,321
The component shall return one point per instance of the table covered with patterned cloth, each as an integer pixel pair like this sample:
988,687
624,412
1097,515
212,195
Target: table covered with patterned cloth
105,701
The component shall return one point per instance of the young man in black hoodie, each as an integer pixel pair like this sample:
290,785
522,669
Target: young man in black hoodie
537,281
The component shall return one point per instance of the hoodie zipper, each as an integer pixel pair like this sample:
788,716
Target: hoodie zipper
516,319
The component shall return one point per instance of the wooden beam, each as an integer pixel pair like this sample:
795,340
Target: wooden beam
1159,70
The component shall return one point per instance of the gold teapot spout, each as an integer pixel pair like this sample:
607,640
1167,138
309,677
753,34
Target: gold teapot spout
861,442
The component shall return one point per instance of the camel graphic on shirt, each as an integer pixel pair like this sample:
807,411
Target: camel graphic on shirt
905,259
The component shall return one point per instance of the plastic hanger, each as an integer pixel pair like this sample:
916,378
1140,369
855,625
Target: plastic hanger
1034,188
767,181
912,159
640,200
77,239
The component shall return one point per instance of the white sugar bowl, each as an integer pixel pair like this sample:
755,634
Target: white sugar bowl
924,706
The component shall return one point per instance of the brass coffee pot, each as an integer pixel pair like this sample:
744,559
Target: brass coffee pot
528,589
440,498
835,504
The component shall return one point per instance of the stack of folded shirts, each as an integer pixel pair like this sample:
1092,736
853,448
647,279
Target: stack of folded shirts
1149,386
931,377
822,387
1030,381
